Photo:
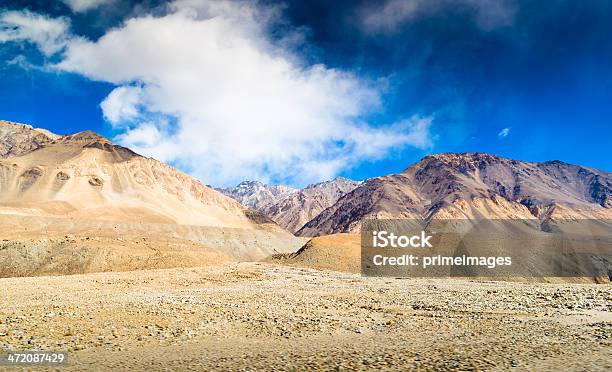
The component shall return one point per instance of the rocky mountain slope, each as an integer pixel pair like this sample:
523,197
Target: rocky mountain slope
472,185
258,195
18,139
296,210
84,185
86,176
290,208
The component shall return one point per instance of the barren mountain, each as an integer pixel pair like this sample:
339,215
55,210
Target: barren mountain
472,185
257,195
290,208
84,185
17,139
86,176
296,210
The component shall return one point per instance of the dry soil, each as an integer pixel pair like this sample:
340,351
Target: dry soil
265,316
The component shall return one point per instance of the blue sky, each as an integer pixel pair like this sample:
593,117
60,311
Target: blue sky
296,92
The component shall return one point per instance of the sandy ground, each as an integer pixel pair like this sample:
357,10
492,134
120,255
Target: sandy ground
265,316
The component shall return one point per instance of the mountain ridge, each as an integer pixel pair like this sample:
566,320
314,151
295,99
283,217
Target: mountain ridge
299,208
453,185
290,208
472,185
68,159
257,195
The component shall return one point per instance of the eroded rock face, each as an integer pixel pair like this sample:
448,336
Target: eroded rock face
29,177
17,139
296,210
472,185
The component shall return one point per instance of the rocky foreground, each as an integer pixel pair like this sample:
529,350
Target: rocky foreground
266,316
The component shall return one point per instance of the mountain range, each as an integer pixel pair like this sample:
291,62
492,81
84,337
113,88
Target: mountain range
472,185
74,203
291,208
86,175
258,195
448,185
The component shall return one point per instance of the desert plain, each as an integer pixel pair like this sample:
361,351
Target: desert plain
264,316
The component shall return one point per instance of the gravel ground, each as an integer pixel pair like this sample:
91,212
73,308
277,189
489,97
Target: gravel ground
262,316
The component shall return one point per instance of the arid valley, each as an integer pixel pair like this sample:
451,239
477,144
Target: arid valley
281,185
126,263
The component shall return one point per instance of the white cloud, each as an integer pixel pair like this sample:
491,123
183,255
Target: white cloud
504,133
145,134
388,16
205,88
48,34
84,5
121,105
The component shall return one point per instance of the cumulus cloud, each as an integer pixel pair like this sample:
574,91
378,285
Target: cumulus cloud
204,87
121,105
84,5
145,135
390,15
504,133
48,34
